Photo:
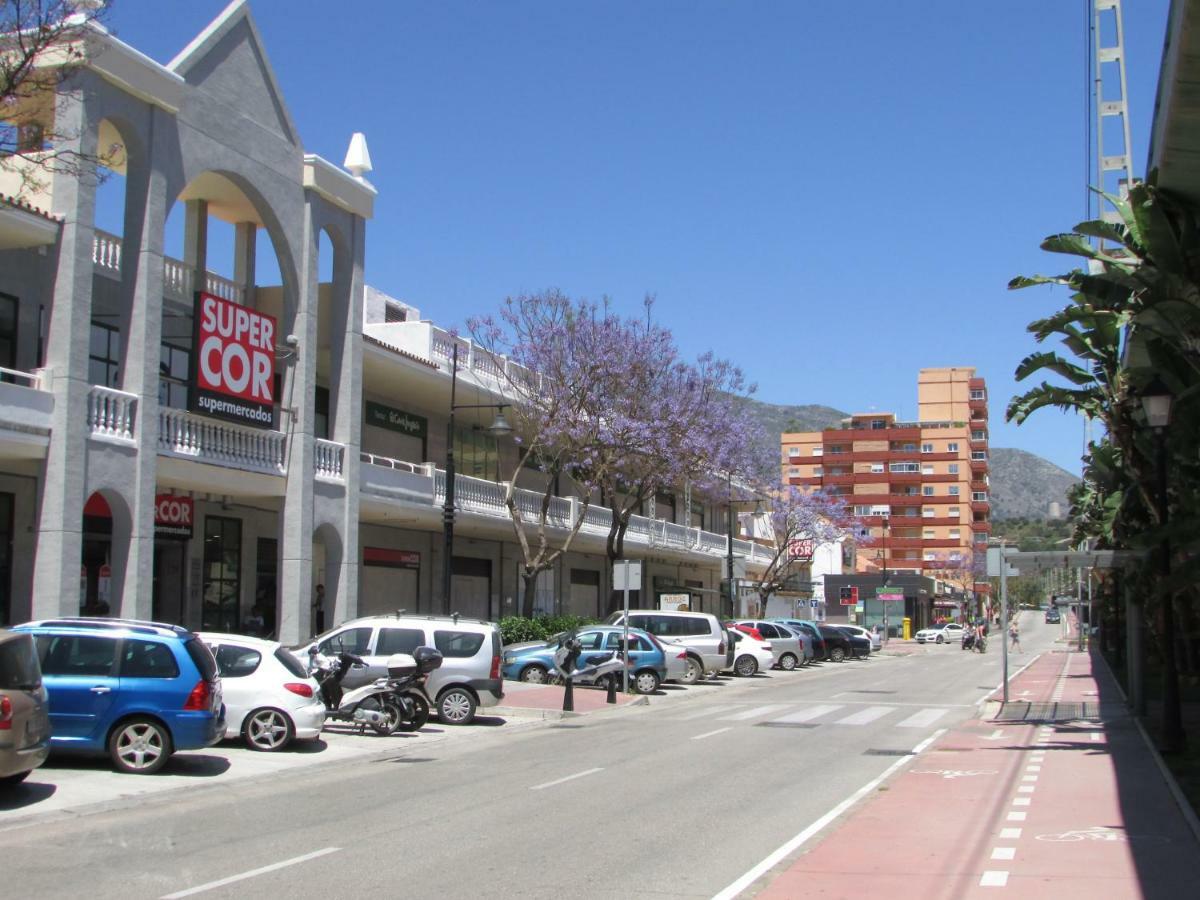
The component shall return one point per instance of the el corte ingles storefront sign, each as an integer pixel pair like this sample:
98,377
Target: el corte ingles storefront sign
397,420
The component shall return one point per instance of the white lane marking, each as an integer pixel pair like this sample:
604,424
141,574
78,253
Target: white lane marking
700,714
1004,852
755,712
1029,778
923,719
870,714
709,734
1033,768
1021,801
997,735
807,715
538,787
274,867
1010,834
1027,788
804,836
993,878
1015,817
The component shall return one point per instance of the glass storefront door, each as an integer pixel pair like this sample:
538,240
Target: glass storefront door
222,588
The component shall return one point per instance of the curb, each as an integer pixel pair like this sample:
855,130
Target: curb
1181,800
532,712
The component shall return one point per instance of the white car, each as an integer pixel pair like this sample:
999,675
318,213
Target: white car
946,633
875,639
270,700
750,655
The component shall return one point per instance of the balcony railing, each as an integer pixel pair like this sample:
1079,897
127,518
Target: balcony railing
189,436
482,497
178,276
328,460
111,414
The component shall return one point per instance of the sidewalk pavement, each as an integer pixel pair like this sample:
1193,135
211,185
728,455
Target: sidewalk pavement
546,700
1060,795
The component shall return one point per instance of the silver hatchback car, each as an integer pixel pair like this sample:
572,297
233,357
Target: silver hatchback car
709,650
786,645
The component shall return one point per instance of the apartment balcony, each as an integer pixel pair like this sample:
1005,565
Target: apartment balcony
805,482
178,277
25,410
980,506
984,527
428,342
931,521
111,415
424,486
892,500
978,487
979,466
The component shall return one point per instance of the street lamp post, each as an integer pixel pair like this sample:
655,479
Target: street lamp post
1156,404
883,583
499,428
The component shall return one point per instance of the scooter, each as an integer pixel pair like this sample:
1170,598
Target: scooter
374,705
968,639
596,666
406,677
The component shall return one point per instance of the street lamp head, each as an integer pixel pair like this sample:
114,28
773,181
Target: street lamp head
1156,399
500,426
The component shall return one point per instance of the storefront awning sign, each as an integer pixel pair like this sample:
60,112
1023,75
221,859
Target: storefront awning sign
396,420
391,559
234,372
173,516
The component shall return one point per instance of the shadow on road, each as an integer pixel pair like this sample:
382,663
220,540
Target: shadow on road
26,794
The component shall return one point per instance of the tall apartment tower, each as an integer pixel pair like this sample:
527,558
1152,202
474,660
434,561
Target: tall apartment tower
921,488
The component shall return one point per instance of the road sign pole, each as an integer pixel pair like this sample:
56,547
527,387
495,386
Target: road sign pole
1004,618
625,633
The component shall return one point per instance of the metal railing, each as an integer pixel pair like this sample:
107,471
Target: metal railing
111,413
16,376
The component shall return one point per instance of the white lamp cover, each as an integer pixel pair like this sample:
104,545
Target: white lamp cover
1158,410
358,157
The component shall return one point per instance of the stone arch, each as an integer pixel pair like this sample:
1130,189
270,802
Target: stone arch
107,525
328,550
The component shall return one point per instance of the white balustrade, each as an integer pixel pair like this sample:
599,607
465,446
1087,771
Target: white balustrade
106,253
178,276
329,458
210,440
400,464
111,413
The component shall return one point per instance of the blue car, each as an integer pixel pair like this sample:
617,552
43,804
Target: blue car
534,662
138,691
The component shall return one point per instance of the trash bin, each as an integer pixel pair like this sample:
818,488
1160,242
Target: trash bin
907,628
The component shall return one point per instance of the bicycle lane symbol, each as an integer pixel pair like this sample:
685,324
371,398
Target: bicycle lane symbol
956,773
1103,834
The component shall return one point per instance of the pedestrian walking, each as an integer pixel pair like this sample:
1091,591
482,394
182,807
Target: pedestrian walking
1015,635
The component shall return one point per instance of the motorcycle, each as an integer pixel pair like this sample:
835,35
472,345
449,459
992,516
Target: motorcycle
406,678
968,639
596,668
373,705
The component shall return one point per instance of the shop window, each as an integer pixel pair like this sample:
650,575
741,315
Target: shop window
222,574
266,580
104,355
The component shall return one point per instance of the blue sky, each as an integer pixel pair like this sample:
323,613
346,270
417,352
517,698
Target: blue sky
830,194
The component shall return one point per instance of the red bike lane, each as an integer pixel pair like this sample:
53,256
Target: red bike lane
1059,797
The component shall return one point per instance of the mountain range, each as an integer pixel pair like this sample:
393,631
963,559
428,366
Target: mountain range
1022,484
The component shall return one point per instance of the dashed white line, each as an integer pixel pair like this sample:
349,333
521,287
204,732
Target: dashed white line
807,715
539,787
993,878
274,867
1004,852
709,734
755,712
1021,801
1027,789
863,717
1015,817
923,719
1010,834
1029,778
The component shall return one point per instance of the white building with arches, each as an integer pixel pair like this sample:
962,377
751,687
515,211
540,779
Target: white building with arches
203,409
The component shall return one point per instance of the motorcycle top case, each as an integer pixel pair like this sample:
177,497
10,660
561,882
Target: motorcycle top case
400,664
427,659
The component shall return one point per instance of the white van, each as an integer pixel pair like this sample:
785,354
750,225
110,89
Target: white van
471,649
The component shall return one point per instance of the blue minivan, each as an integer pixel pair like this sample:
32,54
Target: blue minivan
138,691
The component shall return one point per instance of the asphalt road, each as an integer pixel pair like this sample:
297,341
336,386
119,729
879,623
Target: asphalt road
674,799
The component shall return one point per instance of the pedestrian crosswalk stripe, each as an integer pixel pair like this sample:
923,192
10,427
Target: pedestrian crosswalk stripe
701,713
863,717
922,719
807,715
755,712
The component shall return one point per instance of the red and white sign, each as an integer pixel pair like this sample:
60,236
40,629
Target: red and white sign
173,516
391,559
800,548
234,365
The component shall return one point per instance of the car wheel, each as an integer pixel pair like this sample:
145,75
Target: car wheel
940,639
645,682
420,714
393,715
14,779
535,675
268,730
787,662
456,706
837,654
694,671
139,746
746,666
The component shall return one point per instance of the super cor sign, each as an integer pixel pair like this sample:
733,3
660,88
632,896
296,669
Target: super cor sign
234,363
173,516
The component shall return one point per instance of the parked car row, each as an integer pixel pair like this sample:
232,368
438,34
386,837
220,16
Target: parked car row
139,691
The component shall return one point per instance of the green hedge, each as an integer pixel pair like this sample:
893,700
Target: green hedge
518,629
